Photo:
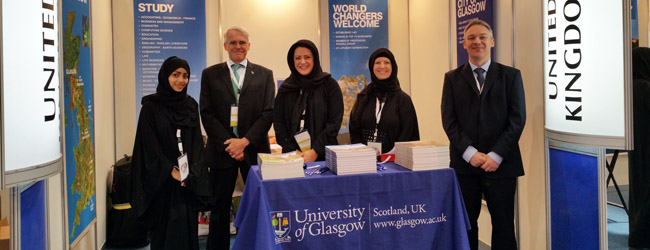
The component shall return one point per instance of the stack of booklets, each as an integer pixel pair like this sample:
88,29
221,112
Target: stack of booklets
351,159
421,155
280,166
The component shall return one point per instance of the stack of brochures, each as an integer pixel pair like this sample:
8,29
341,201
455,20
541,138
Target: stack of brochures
351,159
421,155
280,166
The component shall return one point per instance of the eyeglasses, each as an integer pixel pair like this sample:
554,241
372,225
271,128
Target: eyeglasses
240,43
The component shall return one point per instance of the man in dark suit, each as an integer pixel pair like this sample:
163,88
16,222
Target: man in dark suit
237,111
483,114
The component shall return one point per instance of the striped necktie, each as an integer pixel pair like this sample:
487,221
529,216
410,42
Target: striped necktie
235,87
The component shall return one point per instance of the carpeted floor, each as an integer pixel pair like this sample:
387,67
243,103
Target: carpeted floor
617,219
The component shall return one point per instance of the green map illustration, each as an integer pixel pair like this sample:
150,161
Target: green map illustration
80,153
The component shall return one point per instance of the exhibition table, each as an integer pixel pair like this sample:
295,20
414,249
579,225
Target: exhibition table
392,209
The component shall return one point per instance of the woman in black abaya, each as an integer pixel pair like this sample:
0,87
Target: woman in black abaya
639,162
311,96
166,204
383,113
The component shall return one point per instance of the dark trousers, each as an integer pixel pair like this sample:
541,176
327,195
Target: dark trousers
500,197
224,180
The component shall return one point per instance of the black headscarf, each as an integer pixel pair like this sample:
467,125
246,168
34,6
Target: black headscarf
389,84
297,81
641,63
381,89
183,110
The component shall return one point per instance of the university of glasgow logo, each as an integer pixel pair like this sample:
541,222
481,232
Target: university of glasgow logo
281,221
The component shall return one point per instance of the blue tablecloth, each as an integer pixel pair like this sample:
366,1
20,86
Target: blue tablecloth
391,209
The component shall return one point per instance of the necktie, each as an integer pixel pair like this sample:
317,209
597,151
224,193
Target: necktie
235,82
480,77
235,88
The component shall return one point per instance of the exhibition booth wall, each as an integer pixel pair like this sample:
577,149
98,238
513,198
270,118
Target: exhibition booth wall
421,35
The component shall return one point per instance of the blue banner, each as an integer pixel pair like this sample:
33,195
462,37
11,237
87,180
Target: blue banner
466,11
33,217
165,28
574,200
357,28
635,20
79,118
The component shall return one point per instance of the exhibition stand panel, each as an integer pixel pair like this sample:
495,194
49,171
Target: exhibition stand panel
587,78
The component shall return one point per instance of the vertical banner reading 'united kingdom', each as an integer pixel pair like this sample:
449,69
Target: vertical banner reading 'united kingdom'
357,28
466,11
165,28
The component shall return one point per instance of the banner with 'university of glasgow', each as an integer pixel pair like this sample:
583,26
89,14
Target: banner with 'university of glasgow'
356,29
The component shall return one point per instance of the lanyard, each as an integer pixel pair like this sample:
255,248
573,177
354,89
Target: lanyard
302,116
380,107
178,139
302,120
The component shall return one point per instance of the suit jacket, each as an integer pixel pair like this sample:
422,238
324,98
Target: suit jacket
255,111
490,121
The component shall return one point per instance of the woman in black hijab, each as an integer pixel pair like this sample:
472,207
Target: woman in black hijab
309,100
383,113
639,163
166,204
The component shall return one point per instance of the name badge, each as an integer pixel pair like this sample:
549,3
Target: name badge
183,166
376,146
233,115
304,140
